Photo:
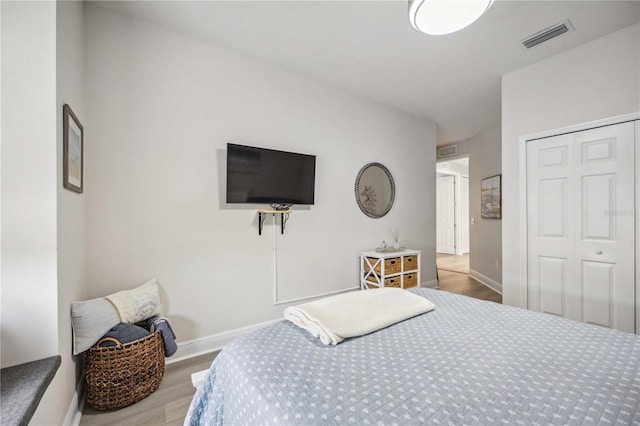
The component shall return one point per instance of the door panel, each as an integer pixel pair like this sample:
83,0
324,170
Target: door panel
553,208
581,231
598,193
597,300
552,285
554,156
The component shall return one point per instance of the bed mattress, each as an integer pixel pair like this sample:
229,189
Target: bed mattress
466,362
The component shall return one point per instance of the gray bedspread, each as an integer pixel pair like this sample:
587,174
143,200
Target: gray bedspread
466,362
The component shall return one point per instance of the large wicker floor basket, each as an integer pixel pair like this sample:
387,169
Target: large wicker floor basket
118,376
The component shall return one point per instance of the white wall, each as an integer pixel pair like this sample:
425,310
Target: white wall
29,217
72,278
29,291
43,225
596,80
161,107
485,236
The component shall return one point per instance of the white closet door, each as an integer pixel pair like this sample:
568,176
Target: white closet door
445,215
550,234
605,249
580,210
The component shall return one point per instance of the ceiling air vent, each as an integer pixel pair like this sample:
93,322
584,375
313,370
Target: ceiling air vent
547,34
447,151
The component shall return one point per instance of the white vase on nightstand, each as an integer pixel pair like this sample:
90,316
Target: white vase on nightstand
395,233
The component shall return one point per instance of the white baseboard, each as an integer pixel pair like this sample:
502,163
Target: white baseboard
214,342
430,284
74,413
483,279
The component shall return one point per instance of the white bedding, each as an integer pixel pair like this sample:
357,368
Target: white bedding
336,318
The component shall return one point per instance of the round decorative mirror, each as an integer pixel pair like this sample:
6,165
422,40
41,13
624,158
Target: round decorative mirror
375,190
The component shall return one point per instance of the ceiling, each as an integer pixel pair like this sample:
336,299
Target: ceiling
369,48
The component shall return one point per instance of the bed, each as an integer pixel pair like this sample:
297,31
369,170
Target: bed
467,362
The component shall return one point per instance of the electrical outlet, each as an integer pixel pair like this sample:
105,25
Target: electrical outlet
473,220
497,264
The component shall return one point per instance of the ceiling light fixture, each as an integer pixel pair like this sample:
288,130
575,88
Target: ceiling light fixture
437,17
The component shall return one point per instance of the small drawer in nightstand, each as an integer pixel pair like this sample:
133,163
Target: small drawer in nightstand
410,263
392,265
392,282
410,280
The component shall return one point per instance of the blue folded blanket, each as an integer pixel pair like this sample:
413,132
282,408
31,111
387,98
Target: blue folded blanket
124,333
168,336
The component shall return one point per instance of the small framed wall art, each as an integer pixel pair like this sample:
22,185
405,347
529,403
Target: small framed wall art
491,196
73,151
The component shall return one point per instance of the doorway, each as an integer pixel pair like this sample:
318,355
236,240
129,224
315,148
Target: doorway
452,232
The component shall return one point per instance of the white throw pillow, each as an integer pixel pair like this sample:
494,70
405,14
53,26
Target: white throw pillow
137,304
91,320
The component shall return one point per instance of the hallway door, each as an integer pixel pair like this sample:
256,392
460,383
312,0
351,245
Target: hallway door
445,215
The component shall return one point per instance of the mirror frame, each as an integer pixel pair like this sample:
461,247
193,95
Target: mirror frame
391,182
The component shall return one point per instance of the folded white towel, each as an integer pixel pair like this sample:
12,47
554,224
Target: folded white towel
336,318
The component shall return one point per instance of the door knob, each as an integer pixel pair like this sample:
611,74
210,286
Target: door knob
598,252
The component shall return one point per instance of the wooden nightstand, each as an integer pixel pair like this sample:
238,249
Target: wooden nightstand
399,269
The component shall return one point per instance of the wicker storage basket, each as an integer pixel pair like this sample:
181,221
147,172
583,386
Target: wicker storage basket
118,376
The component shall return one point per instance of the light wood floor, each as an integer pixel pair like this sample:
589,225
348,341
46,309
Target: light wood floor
453,263
453,274
166,406
458,283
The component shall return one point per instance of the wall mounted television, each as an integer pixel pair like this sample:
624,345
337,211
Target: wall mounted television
260,175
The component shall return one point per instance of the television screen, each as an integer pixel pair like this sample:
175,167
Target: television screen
259,175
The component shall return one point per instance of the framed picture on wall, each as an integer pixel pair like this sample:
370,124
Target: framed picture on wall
491,197
73,150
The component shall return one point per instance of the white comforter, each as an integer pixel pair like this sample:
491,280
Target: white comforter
336,318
